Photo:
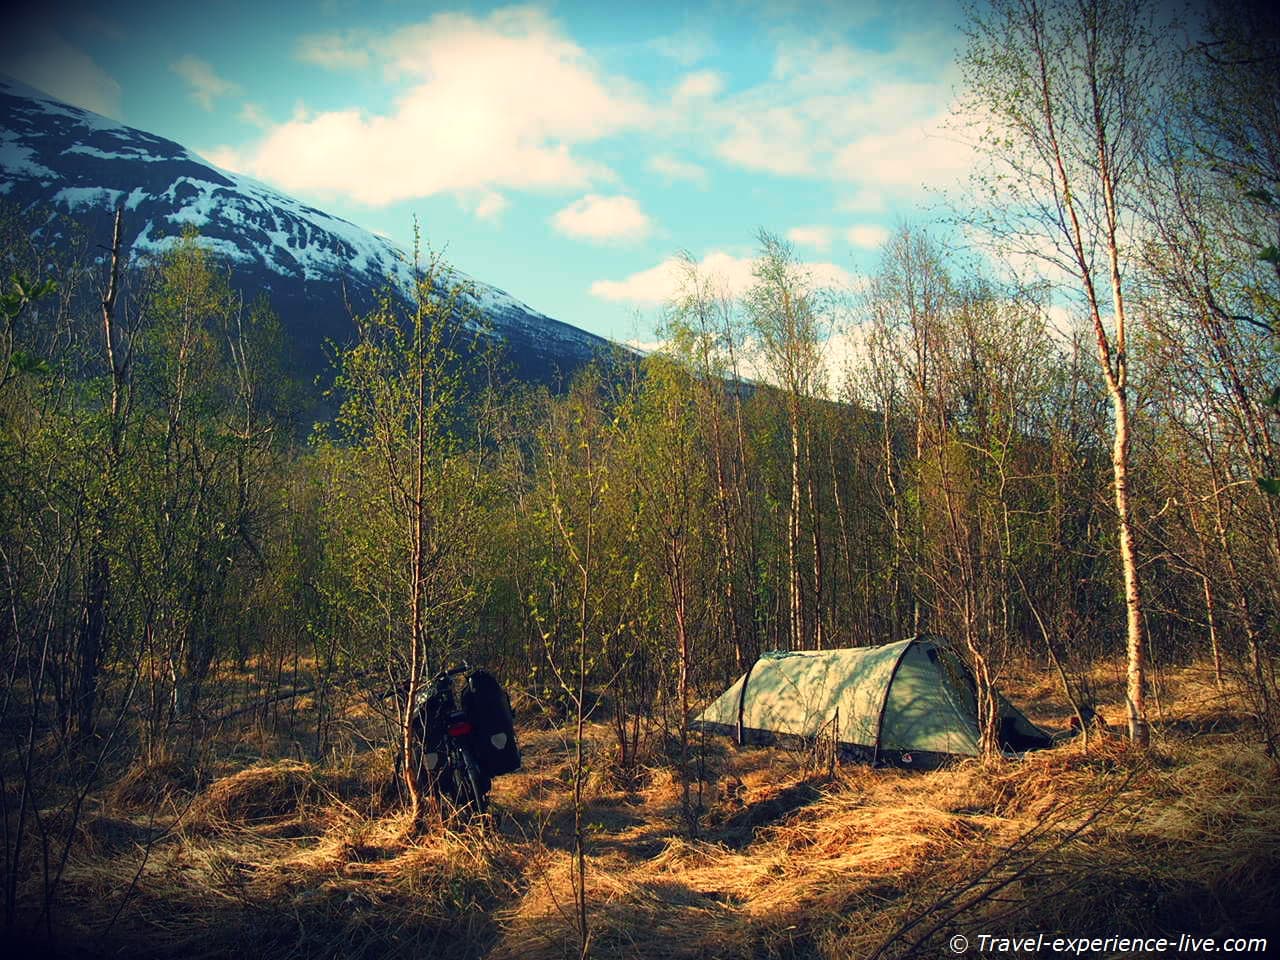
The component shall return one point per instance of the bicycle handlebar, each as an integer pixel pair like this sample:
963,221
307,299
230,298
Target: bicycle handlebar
446,674
424,690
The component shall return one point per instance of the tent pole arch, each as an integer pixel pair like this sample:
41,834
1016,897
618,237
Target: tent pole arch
742,700
884,701
802,693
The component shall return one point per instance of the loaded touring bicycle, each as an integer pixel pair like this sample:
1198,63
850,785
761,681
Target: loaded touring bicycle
462,741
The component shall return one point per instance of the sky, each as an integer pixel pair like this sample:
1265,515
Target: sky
564,152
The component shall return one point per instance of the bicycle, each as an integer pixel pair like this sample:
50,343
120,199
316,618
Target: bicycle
442,759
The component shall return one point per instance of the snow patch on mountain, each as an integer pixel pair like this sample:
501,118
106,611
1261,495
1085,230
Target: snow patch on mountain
84,198
130,153
19,160
55,154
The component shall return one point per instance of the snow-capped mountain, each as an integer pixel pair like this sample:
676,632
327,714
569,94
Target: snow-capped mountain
310,263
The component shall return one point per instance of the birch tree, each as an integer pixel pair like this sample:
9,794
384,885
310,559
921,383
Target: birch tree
788,324
402,395
1067,93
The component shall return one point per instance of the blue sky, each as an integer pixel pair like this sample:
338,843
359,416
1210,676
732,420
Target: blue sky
563,151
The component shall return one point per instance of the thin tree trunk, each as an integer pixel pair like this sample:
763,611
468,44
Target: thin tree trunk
579,771
895,519
1114,369
727,546
745,517
842,520
795,607
1213,631
682,645
1246,617
819,631
417,518
93,622
1135,695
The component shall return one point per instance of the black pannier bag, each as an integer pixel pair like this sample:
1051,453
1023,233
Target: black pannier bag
493,734
429,724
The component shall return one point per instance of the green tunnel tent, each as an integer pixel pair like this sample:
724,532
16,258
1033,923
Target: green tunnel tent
912,702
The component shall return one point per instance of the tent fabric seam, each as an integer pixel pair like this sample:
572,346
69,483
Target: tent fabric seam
884,701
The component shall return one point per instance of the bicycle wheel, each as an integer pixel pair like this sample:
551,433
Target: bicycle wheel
471,787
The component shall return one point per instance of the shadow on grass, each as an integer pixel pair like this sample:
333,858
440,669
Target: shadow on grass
554,828
739,829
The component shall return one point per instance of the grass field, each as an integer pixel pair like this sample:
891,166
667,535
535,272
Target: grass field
253,855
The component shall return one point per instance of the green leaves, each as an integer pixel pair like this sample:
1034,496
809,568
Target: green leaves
20,292
26,362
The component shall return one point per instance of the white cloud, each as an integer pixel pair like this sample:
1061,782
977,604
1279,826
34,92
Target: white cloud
830,276
332,51
839,352
646,346
206,85
594,217
867,235
40,58
909,156
1037,260
701,85
494,103
252,114
1063,322
775,142
817,237
492,205
489,205
1028,258
661,283
846,351
839,110
749,358
675,169
228,158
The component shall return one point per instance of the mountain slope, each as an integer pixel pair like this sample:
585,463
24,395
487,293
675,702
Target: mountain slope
310,263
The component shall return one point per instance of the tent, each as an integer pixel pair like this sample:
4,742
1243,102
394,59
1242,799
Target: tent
911,702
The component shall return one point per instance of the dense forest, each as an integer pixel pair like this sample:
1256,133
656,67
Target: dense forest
1074,476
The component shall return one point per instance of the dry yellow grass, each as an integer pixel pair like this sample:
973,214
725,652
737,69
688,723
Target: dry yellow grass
288,858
